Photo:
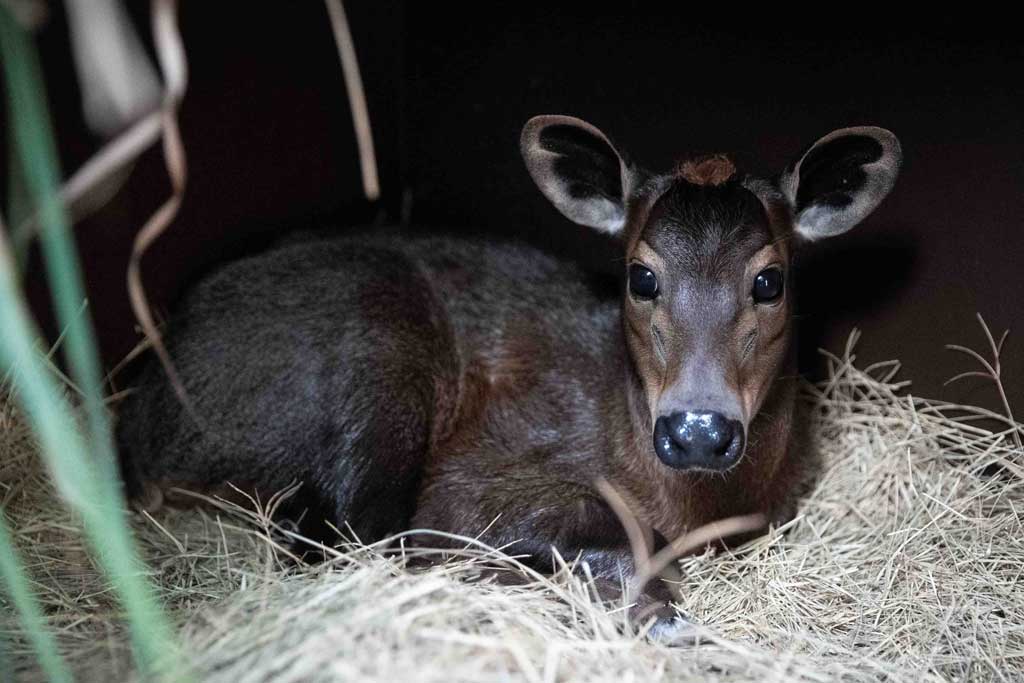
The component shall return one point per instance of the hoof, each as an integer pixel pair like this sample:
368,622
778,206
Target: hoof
675,631
150,500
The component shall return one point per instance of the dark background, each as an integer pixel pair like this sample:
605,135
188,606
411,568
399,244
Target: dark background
268,134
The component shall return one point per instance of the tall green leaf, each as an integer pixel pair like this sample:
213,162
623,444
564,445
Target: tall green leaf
84,470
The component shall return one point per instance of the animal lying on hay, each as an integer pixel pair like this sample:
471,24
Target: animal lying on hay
482,389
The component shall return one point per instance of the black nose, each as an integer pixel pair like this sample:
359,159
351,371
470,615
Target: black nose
698,440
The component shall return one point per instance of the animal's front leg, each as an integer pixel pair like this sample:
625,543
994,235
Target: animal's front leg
582,527
615,583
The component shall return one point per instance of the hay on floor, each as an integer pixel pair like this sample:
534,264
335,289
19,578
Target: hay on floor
903,564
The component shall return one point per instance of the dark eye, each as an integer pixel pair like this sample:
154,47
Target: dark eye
767,286
642,282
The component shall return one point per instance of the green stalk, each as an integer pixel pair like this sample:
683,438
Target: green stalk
85,471
5,661
17,203
28,610
35,150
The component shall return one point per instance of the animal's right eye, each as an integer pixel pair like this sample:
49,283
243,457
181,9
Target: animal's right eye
642,282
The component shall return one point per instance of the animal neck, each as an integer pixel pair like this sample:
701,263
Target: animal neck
633,468
674,502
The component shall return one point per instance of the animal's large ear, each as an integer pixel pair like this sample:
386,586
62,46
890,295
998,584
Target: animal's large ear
578,169
841,179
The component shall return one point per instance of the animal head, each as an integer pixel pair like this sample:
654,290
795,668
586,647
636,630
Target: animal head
707,306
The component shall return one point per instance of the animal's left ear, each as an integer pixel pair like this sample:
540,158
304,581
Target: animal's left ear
840,180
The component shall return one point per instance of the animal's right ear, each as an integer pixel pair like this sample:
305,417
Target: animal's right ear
578,170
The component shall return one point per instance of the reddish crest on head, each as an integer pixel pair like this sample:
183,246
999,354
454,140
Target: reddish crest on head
713,170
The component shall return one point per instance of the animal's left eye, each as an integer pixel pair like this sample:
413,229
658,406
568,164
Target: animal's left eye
768,286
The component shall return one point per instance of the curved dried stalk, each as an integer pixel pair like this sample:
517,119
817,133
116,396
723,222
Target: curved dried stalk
647,565
993,371
641,536
171,55
100,171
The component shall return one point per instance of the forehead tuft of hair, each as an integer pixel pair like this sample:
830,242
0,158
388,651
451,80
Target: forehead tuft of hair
716,169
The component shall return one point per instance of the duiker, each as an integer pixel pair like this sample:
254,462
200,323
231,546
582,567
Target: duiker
482,388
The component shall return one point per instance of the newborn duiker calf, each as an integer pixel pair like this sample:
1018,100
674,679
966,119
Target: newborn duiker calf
482,389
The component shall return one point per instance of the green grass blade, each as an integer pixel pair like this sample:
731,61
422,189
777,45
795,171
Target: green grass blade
76,475
37,154
5,660
31,615
17,203
85,471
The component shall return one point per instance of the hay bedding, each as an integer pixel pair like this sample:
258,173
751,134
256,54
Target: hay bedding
904,564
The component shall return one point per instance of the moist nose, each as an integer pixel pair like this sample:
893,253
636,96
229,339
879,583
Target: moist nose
698,439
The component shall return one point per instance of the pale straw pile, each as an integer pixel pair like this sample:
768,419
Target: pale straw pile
903,564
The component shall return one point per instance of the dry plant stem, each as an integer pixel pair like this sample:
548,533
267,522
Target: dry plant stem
718,530
641,536
171,55
649,566
80,193
993,371
100,170
356,98
118,83
119,86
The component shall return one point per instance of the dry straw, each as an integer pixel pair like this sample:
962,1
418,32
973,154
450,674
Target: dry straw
903,564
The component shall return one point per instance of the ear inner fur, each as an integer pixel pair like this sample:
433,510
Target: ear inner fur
841,179
578,169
